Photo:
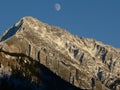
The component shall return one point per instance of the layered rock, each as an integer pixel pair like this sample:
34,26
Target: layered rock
83,62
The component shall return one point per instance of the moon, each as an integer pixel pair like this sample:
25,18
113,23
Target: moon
57,7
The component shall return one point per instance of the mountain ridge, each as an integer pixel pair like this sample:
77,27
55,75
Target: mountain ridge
61,51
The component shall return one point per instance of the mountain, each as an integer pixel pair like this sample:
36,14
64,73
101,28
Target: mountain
73,62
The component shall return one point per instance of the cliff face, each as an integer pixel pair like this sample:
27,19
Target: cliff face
83,62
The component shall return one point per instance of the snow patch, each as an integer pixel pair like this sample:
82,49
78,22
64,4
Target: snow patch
36,28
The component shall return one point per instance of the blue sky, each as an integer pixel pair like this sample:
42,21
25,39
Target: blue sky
98,19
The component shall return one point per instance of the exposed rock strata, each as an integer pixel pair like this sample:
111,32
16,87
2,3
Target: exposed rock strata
76,60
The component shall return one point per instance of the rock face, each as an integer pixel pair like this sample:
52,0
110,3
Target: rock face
84,63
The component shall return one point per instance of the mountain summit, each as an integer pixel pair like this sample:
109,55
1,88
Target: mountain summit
81,62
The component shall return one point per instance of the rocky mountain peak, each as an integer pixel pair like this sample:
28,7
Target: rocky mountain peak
80,61
25,22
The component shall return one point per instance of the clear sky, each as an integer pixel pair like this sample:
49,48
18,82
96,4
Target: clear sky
98,19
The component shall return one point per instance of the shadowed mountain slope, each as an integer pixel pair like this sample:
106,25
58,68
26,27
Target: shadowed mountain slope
21,72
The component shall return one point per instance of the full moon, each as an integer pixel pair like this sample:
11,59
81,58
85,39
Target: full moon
57,7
